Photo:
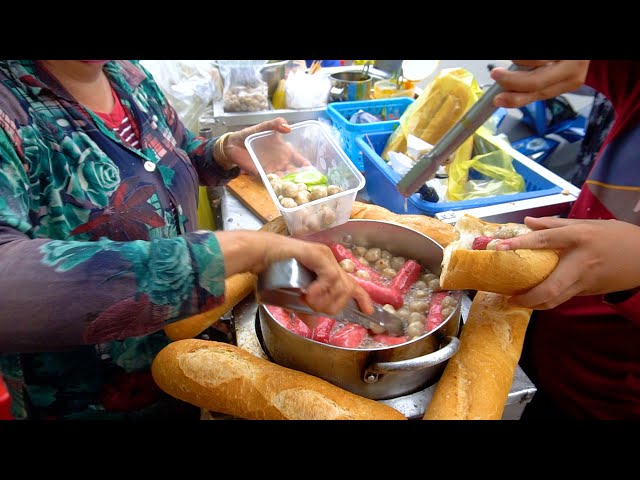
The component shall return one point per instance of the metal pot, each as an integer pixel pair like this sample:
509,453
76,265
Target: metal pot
350,86
376,373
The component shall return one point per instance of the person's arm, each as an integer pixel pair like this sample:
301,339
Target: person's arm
57,293
597,257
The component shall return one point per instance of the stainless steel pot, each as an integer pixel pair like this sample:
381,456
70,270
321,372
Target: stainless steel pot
350,86
377,373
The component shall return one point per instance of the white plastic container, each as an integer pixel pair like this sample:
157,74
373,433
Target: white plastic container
311,141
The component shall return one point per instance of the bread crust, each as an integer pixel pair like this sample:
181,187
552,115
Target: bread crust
441,232
476,382
508,272
224,378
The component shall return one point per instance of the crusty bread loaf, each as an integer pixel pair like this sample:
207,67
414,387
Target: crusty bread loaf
508,272
226,379
475,383
441,232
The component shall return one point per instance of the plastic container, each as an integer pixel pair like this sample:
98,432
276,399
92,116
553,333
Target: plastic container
311,140
391,109
391,89
382,181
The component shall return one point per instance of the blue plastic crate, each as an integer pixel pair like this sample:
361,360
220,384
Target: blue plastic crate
382,180
340,112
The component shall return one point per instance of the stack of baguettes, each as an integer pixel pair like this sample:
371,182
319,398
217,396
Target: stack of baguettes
474,385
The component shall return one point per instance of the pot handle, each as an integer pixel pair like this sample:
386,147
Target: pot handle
445,353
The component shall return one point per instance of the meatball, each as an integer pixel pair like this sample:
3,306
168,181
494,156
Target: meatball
419,306
447,311
359,251
347,265
416,317
389,273
397,262
289,189
318,191
333,189
363,274
381,264
415,329
448,301
288,202
434,285
386,255
302,197
372,255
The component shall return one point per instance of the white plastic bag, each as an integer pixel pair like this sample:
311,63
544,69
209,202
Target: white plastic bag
303,90
189,85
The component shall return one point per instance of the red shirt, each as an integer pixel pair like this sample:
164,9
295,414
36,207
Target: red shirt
586,353
121,121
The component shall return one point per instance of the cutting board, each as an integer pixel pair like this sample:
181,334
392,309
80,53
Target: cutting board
253,195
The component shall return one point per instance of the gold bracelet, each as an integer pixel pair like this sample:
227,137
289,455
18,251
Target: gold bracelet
221,156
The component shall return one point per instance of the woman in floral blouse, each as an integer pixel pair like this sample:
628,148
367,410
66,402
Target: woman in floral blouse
99,247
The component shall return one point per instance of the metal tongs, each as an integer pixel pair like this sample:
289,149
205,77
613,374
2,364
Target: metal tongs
428,164
284,283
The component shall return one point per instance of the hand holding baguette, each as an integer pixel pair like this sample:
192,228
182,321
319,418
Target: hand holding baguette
596,257
226,379
471,262
475,383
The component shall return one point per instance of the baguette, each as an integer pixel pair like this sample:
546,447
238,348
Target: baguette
476,382
441,232
224,378
508,272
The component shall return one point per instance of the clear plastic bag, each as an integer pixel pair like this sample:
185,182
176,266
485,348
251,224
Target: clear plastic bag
303,90
244,89
189,85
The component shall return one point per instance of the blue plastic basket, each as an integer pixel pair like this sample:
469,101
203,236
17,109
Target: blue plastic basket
382,180
340,112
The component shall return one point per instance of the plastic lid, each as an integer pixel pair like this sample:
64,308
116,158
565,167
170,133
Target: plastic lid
418,70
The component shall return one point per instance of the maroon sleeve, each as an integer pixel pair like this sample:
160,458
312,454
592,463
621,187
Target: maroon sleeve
629,308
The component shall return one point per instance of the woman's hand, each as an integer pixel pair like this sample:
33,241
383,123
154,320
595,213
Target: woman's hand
279,157
596,257
255,251
548,79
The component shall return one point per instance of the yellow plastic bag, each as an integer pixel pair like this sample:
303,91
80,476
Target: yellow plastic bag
489,172
435,111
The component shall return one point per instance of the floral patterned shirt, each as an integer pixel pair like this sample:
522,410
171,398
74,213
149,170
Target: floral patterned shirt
99,247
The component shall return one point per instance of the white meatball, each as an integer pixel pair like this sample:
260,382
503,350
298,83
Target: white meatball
359,251
415,329
277,187
328,216
363,261
375,328
421,293
347,265
389,308
318,191
448,301
435,285
447,311
420,285
381,264
289,189
302,197
288,202
333,189
389,273
428,277
272,177
419,306
386,255
363,274
403,313
372,255
416,317
397,262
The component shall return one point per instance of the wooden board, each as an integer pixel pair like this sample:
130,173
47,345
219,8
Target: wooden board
253,195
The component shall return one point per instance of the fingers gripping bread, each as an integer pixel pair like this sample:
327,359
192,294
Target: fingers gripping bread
475,383
508,272
226,379
441,232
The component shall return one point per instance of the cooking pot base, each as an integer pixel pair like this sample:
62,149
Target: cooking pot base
411,406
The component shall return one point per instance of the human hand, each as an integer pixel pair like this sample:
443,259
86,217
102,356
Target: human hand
596,257
548,79
280,156
255,251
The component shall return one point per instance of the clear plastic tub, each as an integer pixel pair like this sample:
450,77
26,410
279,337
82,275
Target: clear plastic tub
310,140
